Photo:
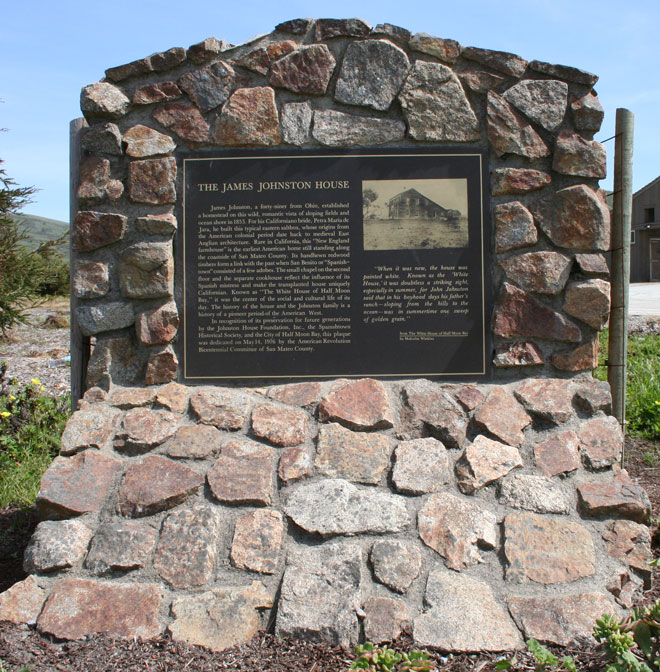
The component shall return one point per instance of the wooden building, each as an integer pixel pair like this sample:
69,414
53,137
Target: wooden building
410,204
645,238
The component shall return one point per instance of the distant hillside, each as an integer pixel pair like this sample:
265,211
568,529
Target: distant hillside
42,229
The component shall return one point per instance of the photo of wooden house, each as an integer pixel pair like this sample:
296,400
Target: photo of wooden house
410,204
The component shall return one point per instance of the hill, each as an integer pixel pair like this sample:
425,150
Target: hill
43,229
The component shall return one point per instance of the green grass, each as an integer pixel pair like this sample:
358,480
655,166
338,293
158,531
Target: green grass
31,425
42,229
643,384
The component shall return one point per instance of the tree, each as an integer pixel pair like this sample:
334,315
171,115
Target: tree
22,271
368,198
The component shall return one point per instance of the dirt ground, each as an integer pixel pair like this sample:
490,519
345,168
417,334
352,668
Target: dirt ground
21,645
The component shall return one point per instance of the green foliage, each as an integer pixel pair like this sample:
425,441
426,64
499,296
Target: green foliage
632,644
25,274
31,425
545,660
384,659
642,385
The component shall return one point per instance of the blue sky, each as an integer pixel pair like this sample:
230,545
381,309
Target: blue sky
50,50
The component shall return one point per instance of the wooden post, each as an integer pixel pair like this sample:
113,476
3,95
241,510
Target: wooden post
620,271
79,344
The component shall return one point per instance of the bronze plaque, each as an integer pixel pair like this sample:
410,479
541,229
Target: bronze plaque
297,265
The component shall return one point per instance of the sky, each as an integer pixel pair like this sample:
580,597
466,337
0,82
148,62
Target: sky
51,49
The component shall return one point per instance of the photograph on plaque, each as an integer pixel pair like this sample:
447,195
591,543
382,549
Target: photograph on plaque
414,214
299,264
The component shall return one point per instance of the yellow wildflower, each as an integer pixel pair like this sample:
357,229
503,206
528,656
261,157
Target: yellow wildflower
5,414
36,381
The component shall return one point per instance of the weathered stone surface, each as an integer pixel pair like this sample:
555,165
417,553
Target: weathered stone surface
549,398
484,461
94,395
22,602
341,453
194,442
92,428
211,86
157,225
249,117
575,218
589,300
392,32
146,271
619,497
295,26
207,49
592,264
143,141
256,60
510,133
56,544
243,474
114,360
372,73
564,72
435,106
305,70
560,620
92,230
502,61
257,541
385,619
470,397
456,528
185,120
533,493
91,279
576,156
161,367
521,353
158,325
593,396
156,484
103,101
447,51
337,129
335,506
80,608
131,397
152,181
588,113
458,606
296,122
558,454
104,317
436,409
321,594
280,425
503,417
220,618
601,441
102,139
505,181
326,29
543,272
95,183
143,429
519,314
396,563
630,542
186,551
358,404
421,466
546,550
514,227
174,397
295,464
166,60
542,100
297,394
582,358
479,81
225,409
159,92
120,546
132,69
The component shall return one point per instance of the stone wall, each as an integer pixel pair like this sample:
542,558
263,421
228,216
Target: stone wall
471,514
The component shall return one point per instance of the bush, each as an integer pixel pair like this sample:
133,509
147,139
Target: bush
25,275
